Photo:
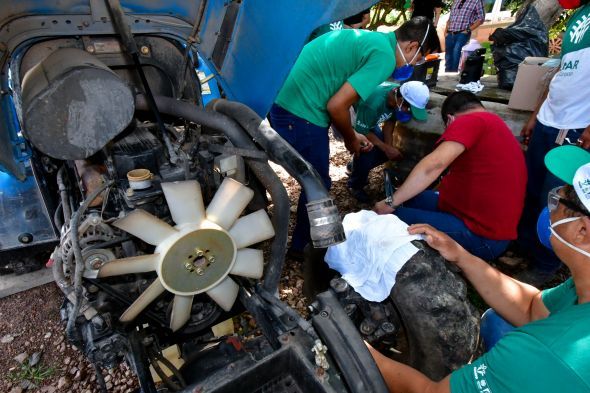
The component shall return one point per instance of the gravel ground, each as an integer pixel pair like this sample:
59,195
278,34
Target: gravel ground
30,322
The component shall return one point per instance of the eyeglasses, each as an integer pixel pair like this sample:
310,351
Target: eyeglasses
554,199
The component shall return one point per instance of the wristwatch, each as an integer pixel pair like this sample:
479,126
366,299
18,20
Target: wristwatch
468,30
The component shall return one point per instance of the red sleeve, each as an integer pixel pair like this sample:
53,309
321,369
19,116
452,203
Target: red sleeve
464,130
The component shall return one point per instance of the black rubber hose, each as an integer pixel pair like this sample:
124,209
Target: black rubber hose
261,169
70,328
57,216
63,193
324,220
276,147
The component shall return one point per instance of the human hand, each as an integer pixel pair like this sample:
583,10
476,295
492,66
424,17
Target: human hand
383,208
392,153
584,139
441,242
357,145
527,130
366,144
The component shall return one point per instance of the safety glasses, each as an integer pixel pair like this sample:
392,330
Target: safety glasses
554,199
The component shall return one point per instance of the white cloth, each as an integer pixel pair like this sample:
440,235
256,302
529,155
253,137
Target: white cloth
474,87
376,248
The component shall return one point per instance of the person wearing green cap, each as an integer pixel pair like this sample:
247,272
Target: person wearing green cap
545,348
386,105
481,196
331,74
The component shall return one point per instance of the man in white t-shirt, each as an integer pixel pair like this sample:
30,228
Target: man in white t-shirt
561,118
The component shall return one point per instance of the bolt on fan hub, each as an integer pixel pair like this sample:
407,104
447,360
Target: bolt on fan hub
197,261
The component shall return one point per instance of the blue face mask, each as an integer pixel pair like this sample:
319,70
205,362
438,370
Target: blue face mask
405,72
544,228
403,116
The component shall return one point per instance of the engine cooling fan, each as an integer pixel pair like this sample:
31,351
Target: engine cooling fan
197,254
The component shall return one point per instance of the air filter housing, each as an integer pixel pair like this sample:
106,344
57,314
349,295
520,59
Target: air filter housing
73,104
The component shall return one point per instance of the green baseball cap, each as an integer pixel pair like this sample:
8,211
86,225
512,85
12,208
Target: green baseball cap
564,161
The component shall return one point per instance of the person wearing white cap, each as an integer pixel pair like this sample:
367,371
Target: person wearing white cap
545,345
481,196
375,118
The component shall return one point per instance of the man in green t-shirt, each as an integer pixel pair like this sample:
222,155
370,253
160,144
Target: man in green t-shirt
331,74
375,118
548,349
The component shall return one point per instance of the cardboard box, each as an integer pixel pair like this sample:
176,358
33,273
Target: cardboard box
530,83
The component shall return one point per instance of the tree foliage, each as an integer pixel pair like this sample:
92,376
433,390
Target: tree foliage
388,13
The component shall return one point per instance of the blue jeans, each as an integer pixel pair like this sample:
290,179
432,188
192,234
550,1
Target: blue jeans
493,327
312,143
365,162
453,45
423,209
540,182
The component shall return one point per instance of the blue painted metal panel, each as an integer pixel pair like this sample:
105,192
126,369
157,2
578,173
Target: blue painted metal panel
183,9
266,41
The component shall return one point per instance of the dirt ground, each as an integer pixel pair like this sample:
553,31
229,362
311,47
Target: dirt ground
30,321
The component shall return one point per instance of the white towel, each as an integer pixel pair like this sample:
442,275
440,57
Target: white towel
376,248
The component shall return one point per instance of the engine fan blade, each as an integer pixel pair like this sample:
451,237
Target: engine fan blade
138,264
185,201
228,203
251,229
224,293
181,311
145,226
149,295
249,263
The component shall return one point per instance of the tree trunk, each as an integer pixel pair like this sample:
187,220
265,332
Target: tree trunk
549,10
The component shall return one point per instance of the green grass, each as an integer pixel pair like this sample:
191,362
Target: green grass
35,374
488,65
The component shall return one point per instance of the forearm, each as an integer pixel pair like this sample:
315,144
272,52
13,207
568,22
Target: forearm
388,128
437,12
510,298
340,118
422,176
374,139
401,378
475,24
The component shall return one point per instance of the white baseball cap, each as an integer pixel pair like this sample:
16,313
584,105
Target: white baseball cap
416,93
572,165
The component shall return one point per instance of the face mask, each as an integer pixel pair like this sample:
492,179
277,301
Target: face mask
405,72
545,229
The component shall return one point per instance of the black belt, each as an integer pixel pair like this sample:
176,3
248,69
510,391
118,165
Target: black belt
457,32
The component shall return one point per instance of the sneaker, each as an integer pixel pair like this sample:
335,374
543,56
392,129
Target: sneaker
360,195
349,168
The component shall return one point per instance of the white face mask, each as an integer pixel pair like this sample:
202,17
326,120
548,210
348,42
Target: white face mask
564,221
417,51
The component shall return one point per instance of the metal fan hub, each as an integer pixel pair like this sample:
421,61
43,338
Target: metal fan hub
196,261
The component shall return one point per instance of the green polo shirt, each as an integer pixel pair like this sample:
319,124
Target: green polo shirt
374,110
549,355
362,58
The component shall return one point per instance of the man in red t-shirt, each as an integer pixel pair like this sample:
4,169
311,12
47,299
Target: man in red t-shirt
480,199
